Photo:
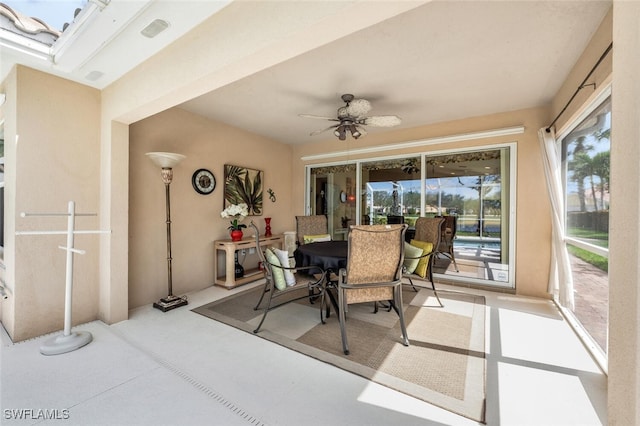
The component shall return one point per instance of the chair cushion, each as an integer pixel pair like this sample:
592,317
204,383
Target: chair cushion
276,271
411,257
283,257
423,264
308,239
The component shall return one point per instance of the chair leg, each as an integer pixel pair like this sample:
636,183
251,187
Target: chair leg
412,286
266,311
266,290
341,315
433,286
453,258
399,310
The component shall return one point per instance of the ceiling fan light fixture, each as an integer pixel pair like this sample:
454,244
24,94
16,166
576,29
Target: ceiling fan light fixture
354,131
353,118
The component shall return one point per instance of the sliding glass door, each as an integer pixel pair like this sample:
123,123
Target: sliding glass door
471,189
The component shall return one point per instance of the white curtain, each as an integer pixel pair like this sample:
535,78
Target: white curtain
560,280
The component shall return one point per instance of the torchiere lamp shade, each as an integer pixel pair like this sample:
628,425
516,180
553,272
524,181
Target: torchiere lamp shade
166,160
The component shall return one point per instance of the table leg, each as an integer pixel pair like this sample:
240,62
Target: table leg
230,280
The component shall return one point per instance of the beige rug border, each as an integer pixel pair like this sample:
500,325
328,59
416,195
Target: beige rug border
473,406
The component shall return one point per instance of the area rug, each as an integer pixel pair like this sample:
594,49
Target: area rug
443,365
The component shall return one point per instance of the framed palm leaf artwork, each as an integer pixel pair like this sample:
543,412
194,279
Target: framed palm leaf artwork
243,185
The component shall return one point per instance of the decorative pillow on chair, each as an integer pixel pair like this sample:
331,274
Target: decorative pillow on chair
283,257
308,239
276,271
411,257
423,264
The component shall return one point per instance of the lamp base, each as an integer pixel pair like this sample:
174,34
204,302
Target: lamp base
63,344
170,302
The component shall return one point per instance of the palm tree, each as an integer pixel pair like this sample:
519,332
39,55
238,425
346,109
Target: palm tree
601,166
580,167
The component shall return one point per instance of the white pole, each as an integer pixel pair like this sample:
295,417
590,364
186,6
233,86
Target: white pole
69,284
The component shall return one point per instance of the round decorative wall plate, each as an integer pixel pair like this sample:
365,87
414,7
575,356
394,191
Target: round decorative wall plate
203,181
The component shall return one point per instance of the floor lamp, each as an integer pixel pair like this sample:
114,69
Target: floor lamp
167,161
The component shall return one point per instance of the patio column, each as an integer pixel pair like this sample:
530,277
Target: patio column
624,240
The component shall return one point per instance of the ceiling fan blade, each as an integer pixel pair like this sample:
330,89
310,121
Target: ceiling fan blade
381,121
317,132
318,117
358,107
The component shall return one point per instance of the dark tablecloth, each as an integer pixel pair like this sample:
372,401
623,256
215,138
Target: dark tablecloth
329,255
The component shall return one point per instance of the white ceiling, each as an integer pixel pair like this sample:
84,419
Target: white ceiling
441,61
438,62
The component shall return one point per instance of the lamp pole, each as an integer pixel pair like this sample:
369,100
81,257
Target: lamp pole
167,177
167,161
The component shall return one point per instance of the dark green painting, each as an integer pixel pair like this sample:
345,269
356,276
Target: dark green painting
243,185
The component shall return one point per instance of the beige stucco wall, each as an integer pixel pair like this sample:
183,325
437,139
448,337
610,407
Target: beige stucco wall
55,160
596,48
532,206
196,220
624,227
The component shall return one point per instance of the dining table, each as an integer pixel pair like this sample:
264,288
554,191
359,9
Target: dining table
328,255
331,256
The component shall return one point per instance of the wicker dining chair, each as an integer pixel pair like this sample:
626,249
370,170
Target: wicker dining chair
447,237
428,230
281,280
310,225
373,273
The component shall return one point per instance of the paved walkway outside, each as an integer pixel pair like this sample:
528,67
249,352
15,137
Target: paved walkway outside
591,292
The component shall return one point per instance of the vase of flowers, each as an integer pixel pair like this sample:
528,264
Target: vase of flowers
237,212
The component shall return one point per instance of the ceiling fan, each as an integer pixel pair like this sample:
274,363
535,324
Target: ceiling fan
352,117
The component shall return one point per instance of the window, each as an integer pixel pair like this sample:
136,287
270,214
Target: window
586,171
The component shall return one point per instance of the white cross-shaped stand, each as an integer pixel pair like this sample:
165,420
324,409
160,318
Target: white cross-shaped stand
68,341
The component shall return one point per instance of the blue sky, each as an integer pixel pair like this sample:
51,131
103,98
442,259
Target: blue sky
53,12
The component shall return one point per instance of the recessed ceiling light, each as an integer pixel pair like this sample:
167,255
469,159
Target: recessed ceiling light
94,75
154,28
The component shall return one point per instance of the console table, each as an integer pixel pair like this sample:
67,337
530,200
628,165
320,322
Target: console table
229,248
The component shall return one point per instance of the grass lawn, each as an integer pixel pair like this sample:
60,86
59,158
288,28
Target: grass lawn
594,259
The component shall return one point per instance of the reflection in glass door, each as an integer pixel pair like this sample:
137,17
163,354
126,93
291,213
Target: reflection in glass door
390,191
332,193
472,189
